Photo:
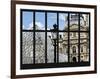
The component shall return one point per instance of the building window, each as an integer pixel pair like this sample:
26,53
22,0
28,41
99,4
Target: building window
81,48
74,34
74,49
43,35
74,59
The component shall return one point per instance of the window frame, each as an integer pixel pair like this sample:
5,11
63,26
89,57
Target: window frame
56,63
13,38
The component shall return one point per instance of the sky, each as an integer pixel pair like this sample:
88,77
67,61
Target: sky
27,19
40,20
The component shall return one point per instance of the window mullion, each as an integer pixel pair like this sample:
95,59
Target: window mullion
34,37
68,38
58,38
79,38
45,37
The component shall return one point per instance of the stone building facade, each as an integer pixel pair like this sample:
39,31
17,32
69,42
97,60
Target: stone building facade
74,39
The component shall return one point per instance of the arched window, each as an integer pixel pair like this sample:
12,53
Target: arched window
74,34
74,49
74,59
81,48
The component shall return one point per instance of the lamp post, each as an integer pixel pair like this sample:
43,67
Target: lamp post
54,38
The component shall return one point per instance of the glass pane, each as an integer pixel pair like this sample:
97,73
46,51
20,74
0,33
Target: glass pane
73,19
27,20
84,22
50,48
51,20
84,47
74,47
27,47
63,21
40,20
39,47
63,46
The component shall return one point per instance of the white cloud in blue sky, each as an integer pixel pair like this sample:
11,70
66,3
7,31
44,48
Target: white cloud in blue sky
62,20
30,25
62,17
23,26
40,25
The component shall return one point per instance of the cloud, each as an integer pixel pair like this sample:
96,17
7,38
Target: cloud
30,26
62,17
23,27
39,25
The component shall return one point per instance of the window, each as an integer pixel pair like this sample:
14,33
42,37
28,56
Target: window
46,38
74,49
81,48
74,34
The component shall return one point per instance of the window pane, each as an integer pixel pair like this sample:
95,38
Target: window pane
51,20
27,47
84,47
50,48
39,47
63,46
40,20
73,19
74,47
84,22
27,20
63,21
